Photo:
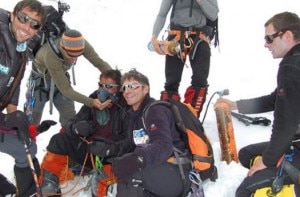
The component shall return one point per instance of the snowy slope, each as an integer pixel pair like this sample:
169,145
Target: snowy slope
120,30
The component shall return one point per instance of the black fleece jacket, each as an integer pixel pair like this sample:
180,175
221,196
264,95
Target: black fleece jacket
285,102
161,129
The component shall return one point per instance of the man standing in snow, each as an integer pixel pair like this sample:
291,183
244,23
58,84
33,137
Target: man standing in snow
15,29
282,37
189,31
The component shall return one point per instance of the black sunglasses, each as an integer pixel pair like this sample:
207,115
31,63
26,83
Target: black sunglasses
107,86
23,18
270,38
130,86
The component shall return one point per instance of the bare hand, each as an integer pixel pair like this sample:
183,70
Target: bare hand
99,105
157,45
232,104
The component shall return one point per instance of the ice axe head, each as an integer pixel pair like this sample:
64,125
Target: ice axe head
223,92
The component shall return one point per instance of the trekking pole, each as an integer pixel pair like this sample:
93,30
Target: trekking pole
247,120
240,117
39,191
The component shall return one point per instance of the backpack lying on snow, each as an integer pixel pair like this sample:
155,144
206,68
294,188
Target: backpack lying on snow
53,28
193,134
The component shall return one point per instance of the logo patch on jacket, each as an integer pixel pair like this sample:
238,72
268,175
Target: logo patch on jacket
4,69
153,127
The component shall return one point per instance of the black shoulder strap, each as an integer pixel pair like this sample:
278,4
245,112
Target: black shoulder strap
191,8
172,107
174,4
55,48
173,8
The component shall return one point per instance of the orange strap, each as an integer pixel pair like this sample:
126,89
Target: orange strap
280,161
177,34
187,47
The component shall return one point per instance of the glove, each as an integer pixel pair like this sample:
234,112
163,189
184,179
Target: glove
124,167
102,148
84,128
18,120
45,125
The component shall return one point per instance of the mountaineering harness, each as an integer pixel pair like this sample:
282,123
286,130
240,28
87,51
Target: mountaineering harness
184,41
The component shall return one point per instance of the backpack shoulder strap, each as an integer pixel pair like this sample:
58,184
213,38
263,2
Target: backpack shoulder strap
55,48
174,4
175,111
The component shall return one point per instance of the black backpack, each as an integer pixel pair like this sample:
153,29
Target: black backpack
192,133
53,28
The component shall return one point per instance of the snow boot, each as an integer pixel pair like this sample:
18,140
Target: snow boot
6,187
50,186
196,96
169,95
55,171
25,183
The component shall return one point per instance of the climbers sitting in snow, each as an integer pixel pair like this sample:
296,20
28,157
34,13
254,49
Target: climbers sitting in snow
103,129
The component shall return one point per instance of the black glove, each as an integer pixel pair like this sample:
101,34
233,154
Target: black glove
102,148
18,120
124,167
45,125
84,128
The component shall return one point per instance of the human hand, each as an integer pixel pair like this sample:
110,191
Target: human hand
157,45
258,165
124,167
101,105
232,104
45,125
84,128
102,147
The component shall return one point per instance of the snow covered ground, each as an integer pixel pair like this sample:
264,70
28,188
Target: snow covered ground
120,30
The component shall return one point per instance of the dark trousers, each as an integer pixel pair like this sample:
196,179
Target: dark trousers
72,146
64,105
14,147
163,180
263,178
200,66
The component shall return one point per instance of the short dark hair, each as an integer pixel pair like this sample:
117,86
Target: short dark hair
286,21
33,5
133,74
114,74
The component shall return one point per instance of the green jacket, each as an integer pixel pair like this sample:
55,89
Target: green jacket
51,67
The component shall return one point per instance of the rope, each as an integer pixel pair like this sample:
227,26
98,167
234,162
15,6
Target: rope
80,175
